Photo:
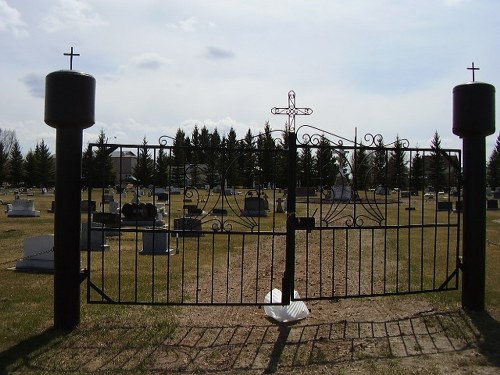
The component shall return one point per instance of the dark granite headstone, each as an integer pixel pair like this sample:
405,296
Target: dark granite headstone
86,206
255,206
492,204
305,191
444,206
187,227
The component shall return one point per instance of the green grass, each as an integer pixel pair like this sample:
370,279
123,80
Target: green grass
26,299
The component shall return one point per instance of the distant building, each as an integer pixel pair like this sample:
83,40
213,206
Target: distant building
124,163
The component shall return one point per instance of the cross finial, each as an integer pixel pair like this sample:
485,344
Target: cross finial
473,71
291,111
71,54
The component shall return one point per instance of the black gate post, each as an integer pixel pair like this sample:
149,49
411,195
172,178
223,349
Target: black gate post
69,108
473,120
288,279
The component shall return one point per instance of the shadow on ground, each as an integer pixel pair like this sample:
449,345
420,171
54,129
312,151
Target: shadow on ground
263,348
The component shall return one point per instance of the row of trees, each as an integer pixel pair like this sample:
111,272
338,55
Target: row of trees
34,169
205,157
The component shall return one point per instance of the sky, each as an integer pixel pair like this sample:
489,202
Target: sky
365,66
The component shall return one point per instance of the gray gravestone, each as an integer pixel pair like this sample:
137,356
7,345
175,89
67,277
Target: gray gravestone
255,206
22,208
38,254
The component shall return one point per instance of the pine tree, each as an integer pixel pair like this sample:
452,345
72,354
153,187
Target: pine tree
437,165
144,169
417,173
379,164
214,160
493,171
361,165
325,166
397,169
162,171
4,165
231,165
45,164
103,174
31,169
16,165
179,159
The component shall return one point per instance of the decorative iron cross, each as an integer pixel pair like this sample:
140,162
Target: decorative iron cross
291,110
473,71
71,54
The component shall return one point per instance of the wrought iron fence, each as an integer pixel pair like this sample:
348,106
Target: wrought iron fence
176,223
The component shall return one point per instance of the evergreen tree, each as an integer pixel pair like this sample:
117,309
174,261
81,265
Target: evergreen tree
231,165
103,173
87,162
437,165
31,169
247,160
305,175
325,166
417,173
493,171
266,161
379,164
16,165
4,165
144,169
361,165
179,159
214,160
397,168
195,157
45,165
162,172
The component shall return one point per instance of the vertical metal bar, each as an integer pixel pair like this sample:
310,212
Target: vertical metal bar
289,274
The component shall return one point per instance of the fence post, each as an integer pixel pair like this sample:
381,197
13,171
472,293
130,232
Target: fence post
69,108
473,120
288,279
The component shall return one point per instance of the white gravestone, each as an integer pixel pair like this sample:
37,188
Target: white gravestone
156,243
97,237
23,208
38,254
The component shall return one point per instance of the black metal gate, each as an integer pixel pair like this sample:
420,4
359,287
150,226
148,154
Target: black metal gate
178,223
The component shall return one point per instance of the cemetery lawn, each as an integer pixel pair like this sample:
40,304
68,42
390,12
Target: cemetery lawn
419,334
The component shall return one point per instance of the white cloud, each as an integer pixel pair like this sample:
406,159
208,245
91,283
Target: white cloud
150,61
216,53
35,84
71,14
10,20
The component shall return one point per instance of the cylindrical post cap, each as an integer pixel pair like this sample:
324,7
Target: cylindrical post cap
474,109
69,99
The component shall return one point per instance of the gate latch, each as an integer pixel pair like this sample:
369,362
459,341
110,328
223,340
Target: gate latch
307,223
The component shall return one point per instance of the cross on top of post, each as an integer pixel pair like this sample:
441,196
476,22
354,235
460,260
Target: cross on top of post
71,54
291,111
473,71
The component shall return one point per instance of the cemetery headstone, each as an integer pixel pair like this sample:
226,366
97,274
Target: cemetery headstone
279,206
86,206
23,208
305,191
342,193
444,206
155,243
255,206
38,254
140,214
97,237
492,204
187,227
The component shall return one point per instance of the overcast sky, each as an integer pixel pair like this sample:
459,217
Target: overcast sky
382,66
